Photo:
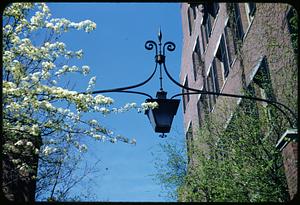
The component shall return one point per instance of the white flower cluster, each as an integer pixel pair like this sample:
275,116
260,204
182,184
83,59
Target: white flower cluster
86,70
20,146
92,83
65,69
102,100
17,9
35,130
32,88
83,148
47,150
133,141
79,54
149,105
125,108
99,137
60,25
24,142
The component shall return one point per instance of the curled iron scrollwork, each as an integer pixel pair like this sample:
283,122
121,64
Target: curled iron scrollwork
150,44
170,46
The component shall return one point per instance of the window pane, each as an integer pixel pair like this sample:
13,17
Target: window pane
238,22
252,8
224,56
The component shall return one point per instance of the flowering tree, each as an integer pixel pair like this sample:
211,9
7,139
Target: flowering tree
40,115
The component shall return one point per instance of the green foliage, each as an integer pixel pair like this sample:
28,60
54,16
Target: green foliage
293,26
170,171
239,164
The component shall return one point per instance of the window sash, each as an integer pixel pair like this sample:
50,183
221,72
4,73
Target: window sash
213,85
252,8
224,56
238,20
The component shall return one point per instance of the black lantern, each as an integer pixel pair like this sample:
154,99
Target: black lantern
161,118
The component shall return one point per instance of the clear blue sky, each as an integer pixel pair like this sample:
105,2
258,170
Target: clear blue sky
117,57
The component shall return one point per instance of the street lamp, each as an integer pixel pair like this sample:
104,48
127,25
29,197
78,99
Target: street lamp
161,118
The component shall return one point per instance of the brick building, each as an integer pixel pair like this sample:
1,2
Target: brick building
228,47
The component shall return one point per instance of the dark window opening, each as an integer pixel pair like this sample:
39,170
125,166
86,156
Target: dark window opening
204,37
190,21
211,8
201,108
252,8
197,62
192,14
189,141
194,6
212,85
239,31
207,22
222,55
230,43
210,11
186,97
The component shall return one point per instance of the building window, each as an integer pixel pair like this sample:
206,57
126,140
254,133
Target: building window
186,97
192,14
223,56
189,141
262,80
201,108
210,11
229,43
193,7
239,31
212,85
204,37
250,10
190,20
213,9
197,62
261,87
207,22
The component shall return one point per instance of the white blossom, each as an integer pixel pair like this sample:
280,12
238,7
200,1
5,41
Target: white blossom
91,83
100,99
113,140
20,143
93,122
83,148
86,70
35,130
29,144
79,54
149,105
48,65
48,150
36,151
133,141
16,161
99,137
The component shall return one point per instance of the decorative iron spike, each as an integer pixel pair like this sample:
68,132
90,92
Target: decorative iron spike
159,34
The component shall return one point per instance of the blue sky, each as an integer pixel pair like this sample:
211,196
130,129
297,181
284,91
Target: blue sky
117,57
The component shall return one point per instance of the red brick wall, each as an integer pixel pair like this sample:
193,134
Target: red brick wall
290,160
